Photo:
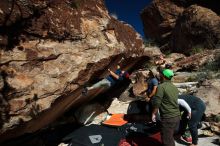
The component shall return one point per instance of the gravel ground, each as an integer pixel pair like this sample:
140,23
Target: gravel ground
204,141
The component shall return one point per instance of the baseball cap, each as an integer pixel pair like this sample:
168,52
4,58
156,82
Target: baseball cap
168,73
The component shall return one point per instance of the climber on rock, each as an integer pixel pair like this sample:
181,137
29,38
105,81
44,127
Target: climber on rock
112,79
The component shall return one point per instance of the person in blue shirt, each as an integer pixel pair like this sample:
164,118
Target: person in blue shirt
152,83
151,90
109,81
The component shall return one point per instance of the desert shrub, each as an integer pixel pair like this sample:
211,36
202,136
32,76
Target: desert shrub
196,49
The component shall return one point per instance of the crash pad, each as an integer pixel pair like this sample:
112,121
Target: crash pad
95,135
153,140
115,120
130,134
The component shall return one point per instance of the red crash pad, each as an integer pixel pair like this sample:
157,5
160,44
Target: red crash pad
153,140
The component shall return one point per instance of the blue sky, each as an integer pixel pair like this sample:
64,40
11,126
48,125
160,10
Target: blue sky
128,11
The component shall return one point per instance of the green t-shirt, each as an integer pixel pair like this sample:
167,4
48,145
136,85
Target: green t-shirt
166,100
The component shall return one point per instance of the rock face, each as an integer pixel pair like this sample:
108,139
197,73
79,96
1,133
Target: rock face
196,28
159,18
199,60
209,92
182,26
49,50
139,82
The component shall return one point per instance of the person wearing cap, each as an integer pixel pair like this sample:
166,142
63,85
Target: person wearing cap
165,100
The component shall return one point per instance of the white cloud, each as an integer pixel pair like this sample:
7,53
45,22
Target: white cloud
114,15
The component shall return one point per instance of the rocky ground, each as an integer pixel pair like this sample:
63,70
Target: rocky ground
204,141
125,103
51,49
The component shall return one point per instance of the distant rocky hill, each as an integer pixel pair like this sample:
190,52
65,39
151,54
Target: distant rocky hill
183,26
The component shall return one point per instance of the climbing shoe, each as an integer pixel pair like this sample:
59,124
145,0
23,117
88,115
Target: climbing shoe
186,138
85,91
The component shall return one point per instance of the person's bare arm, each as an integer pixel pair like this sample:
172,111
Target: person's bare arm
148,97
154,112
153,92
156,102
114,74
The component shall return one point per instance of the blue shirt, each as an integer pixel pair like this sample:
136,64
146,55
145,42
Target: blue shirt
153,82
114,80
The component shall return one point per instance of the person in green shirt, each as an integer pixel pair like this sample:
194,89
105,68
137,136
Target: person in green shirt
165,101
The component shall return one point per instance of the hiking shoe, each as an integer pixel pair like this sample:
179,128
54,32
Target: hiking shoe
85,91
187,139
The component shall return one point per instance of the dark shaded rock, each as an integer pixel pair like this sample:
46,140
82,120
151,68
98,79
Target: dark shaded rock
196,28
159,19
212,5
182,26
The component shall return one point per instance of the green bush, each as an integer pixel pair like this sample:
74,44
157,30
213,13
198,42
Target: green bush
196,50
212,66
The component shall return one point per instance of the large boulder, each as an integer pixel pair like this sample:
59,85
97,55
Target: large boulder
209,92
49,50
182,26
195,29
212,5
159,19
